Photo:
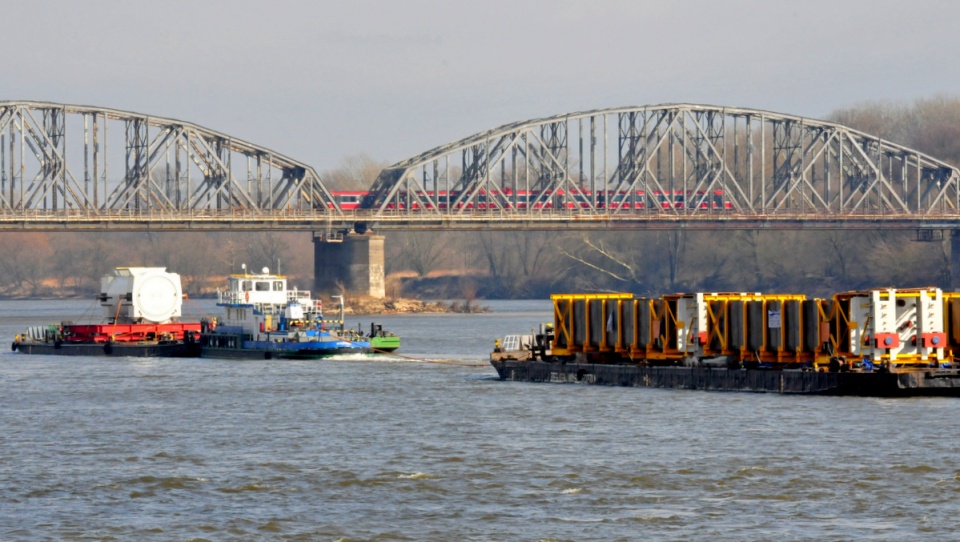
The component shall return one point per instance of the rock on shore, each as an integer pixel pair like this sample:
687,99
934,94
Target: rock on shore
369,305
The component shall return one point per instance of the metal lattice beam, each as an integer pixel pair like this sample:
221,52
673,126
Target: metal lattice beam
666,166
81,160
678,160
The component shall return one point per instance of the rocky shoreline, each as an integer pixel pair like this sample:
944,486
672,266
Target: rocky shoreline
369,305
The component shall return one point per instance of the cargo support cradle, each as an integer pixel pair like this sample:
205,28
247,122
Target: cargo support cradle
770,330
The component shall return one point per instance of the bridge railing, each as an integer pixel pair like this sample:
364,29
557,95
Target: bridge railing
317,221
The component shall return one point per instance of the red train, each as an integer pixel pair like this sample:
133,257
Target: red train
350,200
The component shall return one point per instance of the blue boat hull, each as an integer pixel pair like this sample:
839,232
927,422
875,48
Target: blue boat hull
232,346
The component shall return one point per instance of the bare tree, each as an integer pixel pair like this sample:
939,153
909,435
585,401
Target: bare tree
605,261
356,172
24,258
931,125
421,251
496,251
67,259
468,288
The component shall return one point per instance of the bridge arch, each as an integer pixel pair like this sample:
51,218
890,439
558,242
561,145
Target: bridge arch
679,161
83,160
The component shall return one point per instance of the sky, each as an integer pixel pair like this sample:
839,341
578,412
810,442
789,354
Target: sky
320,81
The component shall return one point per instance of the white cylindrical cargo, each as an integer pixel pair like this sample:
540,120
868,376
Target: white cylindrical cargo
141,294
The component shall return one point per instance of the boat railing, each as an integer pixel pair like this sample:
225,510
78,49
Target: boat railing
310,306
313,307
230,297
298,295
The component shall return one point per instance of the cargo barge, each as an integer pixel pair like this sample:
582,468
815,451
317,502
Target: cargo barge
141,308
62,340
881,342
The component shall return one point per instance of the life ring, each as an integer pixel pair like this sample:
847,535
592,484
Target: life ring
247,296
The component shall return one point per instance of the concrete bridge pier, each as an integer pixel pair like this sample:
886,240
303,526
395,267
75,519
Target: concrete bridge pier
352,261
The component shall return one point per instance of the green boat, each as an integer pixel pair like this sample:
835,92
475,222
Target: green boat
382,341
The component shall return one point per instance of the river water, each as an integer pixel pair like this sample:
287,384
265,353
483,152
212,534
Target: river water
354,449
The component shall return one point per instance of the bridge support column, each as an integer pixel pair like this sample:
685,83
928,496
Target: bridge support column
356,262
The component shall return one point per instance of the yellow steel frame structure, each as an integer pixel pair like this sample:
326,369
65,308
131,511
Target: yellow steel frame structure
893,362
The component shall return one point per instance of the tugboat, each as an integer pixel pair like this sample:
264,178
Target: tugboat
381,341
142,306
528,347
265,320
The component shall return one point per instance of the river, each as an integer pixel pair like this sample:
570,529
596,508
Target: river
355,449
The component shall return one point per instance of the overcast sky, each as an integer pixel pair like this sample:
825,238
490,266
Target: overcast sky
319,80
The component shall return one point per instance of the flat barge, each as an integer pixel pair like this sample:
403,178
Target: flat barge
882,342
140,349
141,311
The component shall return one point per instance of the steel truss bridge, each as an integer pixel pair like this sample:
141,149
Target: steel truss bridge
80,167
652,167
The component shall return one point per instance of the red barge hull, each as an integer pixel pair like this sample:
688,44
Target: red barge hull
115,340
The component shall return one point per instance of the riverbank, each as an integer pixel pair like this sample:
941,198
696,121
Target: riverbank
369,305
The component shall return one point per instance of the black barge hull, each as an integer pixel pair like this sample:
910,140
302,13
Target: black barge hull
932,382
152,350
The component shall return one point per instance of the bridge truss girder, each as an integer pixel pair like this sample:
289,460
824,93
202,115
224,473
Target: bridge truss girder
676,160
89,161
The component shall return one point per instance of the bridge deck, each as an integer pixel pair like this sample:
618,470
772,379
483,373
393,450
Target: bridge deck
289,220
